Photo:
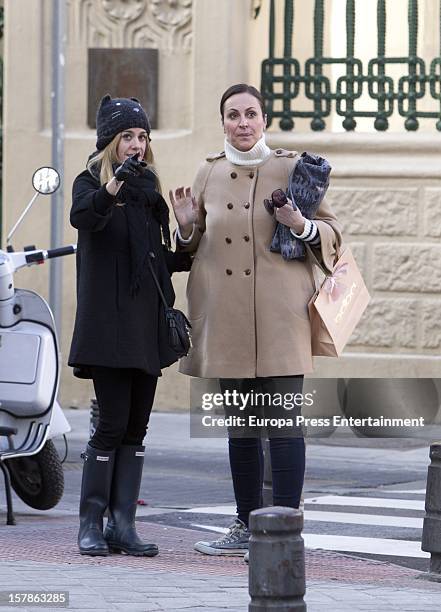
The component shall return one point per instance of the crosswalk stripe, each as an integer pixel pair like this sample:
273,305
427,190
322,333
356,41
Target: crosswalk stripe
227,510
331,517
367,502
373,546
346,543
407,491
364,519
211,528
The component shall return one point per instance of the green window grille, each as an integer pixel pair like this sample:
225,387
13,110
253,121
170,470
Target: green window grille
284,79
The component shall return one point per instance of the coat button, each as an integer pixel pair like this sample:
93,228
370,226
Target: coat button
230,205
246,238
228,240
247,205
233,175
251,175
248,272
229,272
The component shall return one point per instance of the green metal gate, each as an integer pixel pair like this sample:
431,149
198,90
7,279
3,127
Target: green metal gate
283,78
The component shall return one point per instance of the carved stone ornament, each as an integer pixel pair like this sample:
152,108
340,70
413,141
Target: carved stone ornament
155,24
171,13
127,10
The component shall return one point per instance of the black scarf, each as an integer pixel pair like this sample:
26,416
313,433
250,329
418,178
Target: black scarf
143,203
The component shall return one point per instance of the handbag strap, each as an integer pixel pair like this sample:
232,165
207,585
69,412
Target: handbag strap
155,278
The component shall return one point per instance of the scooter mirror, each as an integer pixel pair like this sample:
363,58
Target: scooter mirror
46,180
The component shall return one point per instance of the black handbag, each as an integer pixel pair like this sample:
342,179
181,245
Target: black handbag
177,336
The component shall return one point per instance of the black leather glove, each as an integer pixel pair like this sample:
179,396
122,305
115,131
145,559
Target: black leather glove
278,199
131,167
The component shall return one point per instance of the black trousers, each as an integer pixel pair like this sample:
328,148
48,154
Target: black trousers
125,400
287,446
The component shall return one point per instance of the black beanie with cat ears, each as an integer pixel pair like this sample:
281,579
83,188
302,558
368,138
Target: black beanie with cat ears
116,115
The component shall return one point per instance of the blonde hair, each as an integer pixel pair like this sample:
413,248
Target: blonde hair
103,161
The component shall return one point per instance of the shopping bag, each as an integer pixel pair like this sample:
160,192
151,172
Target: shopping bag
337,306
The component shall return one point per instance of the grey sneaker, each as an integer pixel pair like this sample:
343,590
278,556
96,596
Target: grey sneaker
233,543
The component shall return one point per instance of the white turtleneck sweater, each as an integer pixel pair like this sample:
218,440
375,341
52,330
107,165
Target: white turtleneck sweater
255,156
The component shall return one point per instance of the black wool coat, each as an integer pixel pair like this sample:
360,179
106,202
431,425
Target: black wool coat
114,328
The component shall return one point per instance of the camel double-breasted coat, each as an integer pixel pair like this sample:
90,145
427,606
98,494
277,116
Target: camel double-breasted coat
247,305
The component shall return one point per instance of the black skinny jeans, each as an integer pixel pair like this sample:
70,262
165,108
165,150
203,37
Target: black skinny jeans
125,399
287,448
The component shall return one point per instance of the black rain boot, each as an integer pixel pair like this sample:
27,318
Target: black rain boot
120,532
94,499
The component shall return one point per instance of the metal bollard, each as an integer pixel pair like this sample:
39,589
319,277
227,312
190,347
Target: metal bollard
277,560
431,541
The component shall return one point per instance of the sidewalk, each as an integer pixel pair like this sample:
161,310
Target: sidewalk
40,553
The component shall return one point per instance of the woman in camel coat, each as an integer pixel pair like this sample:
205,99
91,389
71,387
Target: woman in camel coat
247,305
265,330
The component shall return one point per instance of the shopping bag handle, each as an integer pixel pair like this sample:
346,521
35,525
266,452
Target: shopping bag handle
339,250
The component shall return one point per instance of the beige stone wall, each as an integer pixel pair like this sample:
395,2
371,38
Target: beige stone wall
385,188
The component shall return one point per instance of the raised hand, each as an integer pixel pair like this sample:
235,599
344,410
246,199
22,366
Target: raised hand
185,208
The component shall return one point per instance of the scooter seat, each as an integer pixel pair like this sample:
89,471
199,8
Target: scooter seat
8,431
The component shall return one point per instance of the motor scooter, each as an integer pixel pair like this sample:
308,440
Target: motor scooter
30,415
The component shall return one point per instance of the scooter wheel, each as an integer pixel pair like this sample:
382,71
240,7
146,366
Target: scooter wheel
38,480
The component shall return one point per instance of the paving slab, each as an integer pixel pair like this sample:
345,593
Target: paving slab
40,552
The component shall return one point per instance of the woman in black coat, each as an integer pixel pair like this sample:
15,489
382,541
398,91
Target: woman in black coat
122,222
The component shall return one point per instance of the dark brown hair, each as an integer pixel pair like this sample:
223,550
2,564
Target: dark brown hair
238,89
